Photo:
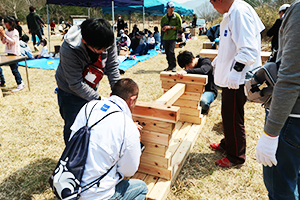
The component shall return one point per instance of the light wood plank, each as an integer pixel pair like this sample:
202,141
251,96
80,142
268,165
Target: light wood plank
139,175
155,125
155,160
187,78
153,137
207,45
195,131
156,111
179,158
160,190
191,96
156,171
150,182
189,87
154,148
194,96
172,95
187,104
192,119
212,53
190,111
177,139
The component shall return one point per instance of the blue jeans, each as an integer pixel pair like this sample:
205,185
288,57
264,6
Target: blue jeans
283,180
2,79
130,189
142,49
69,106
15,71
206,99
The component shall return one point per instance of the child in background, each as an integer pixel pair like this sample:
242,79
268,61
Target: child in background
24,48
199,65
44,53
151,41
11,40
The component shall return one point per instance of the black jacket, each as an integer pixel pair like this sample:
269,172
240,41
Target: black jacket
273,31
204,67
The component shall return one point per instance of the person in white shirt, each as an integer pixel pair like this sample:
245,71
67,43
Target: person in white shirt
239,52
151,41
114,141
127,38
44,53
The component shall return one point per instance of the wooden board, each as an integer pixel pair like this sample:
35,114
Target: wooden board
187,78
177,139
172,95
212,53
190,111
189,87
187,104
207,45
156,149
156,171
156,111
155,125
192,119
159,187
155,160
153,137
191,96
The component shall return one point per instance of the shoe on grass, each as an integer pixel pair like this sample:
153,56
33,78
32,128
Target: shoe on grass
19,87
225,163
217,147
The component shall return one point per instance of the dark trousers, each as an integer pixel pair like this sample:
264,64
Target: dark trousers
232,110
69,106
169,46
38,33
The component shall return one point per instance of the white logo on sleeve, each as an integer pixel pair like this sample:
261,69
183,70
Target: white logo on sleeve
90,77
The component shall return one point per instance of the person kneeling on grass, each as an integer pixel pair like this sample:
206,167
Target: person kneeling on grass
202,66
115,141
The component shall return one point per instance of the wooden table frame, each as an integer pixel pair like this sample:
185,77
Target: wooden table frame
212,53
6,60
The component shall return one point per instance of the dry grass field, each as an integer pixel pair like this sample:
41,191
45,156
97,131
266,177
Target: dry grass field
32,140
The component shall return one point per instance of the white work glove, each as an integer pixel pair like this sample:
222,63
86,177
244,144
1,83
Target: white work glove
266,150
234,79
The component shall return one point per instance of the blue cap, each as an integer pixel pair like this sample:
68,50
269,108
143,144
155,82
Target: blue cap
170,5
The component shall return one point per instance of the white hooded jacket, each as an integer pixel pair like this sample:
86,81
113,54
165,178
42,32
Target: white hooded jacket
240,41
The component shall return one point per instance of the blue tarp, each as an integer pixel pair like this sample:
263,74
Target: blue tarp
129,63
152,7
52,63
43,63
95,3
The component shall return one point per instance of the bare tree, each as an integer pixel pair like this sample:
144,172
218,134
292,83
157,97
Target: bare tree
207,12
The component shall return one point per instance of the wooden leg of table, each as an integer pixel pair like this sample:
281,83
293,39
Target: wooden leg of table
27,75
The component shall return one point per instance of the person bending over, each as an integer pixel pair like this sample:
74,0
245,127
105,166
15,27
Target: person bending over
115,141
199,65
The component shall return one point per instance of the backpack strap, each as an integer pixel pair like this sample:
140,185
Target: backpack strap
102,119
87,118
97,181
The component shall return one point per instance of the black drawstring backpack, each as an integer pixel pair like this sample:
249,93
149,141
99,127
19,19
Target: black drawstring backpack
65,179
259,83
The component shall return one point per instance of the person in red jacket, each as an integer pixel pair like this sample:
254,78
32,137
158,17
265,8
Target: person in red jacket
52,26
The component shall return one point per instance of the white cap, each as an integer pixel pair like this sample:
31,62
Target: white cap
284,7
121,31
170,5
